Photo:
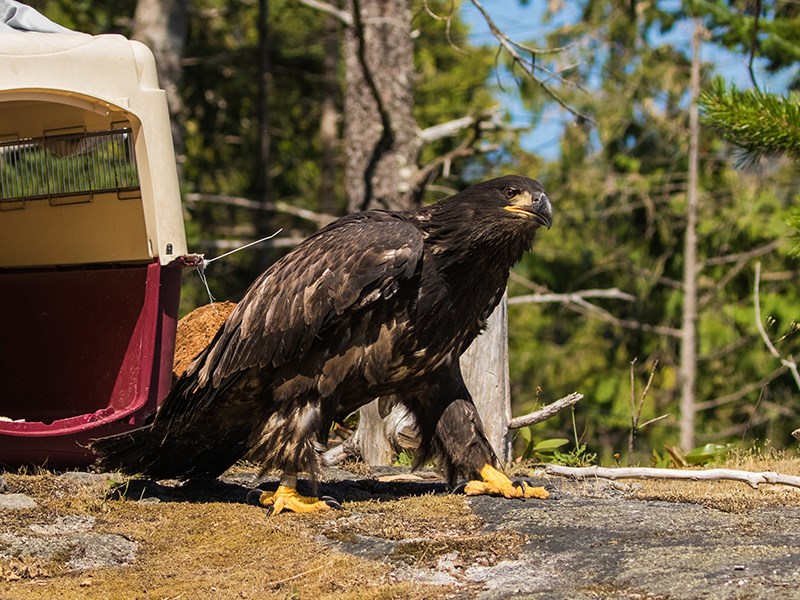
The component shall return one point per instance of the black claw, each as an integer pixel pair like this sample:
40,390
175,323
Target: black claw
332,502
253,497
523,485
270,510
459,489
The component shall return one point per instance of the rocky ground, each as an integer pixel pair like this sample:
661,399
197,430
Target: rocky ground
399,535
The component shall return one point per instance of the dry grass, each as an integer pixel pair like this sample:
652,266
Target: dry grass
227,550
231,550
731,496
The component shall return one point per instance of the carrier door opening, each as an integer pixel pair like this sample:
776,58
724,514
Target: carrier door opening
72,342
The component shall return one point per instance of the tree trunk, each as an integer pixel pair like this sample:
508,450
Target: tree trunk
380,131
329,120
161,26
688,366
485,369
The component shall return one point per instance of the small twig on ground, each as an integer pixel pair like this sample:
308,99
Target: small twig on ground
297,576
545,412
751,478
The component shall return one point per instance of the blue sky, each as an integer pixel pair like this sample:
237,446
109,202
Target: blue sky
525,23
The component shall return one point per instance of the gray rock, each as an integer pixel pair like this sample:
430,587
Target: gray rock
66,524
92,551
16,502
78,551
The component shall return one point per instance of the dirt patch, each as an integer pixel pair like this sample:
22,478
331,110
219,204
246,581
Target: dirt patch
195,332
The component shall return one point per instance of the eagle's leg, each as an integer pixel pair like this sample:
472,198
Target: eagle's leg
287,498
457,437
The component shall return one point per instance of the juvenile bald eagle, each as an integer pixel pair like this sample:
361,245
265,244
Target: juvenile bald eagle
377,303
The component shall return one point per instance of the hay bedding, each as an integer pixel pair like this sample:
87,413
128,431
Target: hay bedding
195,332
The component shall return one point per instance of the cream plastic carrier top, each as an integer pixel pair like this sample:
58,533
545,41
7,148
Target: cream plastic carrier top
87,167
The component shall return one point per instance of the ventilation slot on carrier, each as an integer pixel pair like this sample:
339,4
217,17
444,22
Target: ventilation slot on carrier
67,167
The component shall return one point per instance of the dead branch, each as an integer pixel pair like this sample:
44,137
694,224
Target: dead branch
582,306
788,363
530,67
741,392
541,298
320,219
753,479
545,412
636,410
350,448
344,16
742,256
488,120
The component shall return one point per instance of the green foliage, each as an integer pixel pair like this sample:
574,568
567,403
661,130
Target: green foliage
793,220
404,459
661,460
735,26
755,121
577,457
619,190
541,450
707,453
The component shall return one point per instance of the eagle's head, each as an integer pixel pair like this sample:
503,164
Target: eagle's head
512,197
493,220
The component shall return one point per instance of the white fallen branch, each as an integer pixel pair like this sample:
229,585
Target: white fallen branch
753,479
545,412
542,298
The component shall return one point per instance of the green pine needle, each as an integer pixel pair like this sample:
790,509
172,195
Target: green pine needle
759,123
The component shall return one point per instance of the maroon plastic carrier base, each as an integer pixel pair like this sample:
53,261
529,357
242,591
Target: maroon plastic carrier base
84,353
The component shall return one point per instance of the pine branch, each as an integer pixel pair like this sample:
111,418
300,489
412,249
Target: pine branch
757,122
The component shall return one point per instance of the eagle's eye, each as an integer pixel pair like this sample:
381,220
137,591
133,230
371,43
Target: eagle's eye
510,192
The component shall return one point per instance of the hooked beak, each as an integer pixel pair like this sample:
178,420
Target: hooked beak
537,207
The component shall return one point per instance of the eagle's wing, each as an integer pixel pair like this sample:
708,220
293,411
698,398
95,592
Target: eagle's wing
344,268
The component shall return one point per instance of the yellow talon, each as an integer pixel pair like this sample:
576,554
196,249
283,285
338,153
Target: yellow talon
287,498
496,484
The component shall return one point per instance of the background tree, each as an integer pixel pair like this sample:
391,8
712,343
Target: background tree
622,176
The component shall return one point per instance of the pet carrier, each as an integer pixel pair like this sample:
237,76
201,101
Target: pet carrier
91,242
